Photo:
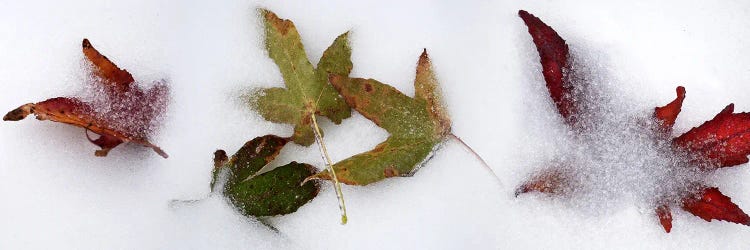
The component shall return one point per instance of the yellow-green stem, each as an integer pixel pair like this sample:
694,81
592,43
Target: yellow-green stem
329,166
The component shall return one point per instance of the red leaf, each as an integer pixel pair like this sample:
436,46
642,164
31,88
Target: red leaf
554,57
712,204
135,109
665,217
723,141
667,114
551,181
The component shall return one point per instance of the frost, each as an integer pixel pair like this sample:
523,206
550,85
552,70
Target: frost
140,111
617,158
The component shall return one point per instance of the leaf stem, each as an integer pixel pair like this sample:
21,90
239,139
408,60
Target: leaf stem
329,166
477,156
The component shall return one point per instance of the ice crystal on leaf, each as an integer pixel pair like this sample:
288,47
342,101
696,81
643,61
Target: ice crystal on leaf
617,154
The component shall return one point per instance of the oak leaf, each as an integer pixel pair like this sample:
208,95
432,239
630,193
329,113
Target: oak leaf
123,113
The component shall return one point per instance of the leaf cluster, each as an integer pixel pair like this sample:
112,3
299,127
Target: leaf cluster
416,125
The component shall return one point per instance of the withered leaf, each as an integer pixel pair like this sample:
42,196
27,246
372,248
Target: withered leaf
307,91
276,192
416,125
127,113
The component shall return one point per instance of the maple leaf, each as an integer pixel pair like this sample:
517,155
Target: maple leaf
125,112
307,91
416,125
276,192
724,141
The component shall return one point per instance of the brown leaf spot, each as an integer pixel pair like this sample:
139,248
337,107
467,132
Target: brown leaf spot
390,171
379,148
282,25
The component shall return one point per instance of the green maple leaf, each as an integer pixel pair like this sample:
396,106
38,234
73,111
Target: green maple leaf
307,91
416,125
276,192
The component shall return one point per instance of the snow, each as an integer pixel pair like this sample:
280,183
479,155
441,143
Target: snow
56,194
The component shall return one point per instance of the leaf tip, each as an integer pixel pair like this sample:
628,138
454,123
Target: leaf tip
711,204
681,91
665,217
525,15
272,20
345,35
160,152
263,11
667,114
728,109
19,113
424,58
86,44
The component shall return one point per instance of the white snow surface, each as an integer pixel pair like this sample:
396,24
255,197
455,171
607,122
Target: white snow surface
56,194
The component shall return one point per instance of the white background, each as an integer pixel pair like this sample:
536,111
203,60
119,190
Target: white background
56,194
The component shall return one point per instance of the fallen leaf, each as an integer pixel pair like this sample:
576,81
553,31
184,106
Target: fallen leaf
553,52
723,141
665,116
665,217
125,113
416,125
276,192
550,181
307,91
710,204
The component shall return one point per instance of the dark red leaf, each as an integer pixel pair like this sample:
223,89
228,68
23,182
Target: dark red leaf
554,57
665,217
711,204
667,114
723,141
551,181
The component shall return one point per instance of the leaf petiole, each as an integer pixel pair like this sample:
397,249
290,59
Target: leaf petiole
329,166
477,156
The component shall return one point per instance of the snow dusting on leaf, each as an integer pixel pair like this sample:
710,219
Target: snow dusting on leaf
617,155
116,108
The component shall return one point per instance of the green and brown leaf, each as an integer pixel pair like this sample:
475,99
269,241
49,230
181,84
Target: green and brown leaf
416,125
276,192
307,91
